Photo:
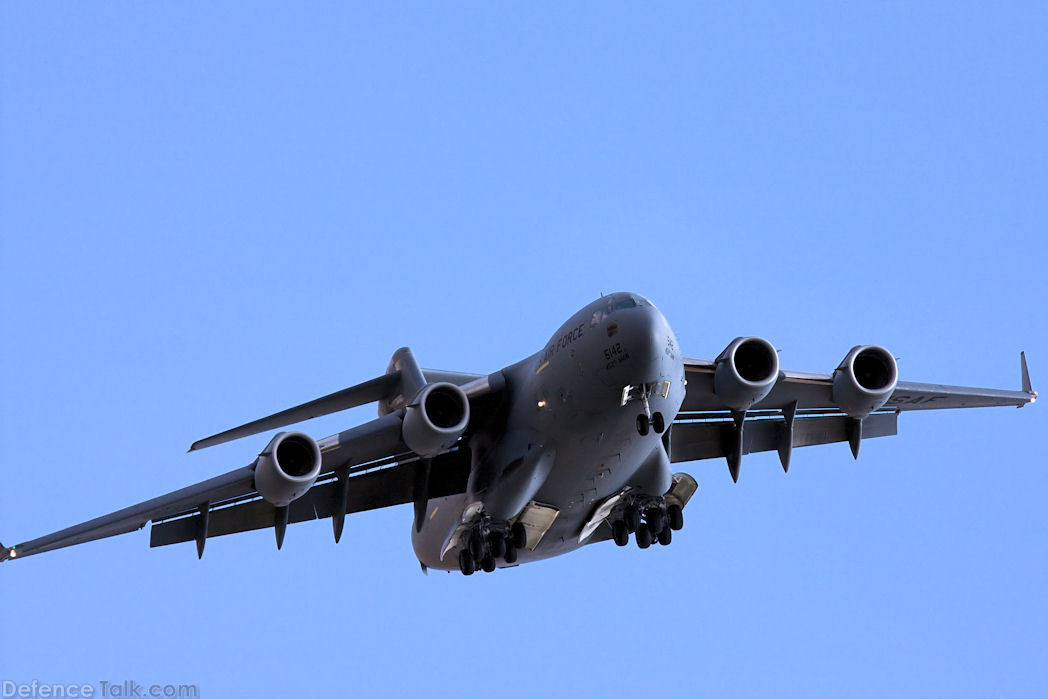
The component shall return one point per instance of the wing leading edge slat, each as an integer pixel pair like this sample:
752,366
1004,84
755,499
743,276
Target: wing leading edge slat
814,391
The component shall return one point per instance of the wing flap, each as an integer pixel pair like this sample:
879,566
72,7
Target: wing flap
692,441
368,491
247,516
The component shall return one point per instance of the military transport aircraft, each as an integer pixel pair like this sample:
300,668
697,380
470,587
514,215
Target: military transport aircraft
568,447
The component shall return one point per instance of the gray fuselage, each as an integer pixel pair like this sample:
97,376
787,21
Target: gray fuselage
569,438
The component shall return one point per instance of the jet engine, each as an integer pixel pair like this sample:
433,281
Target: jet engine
746,371
865,380
287,468
435,419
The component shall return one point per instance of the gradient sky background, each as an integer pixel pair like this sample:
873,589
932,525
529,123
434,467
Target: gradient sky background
212,211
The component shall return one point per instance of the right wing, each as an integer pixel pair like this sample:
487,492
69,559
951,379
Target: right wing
363,468
358,490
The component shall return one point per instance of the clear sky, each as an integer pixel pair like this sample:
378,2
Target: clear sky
213,211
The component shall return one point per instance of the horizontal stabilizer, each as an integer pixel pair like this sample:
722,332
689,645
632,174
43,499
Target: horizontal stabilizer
361,394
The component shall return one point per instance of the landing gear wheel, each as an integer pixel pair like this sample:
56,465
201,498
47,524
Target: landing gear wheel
620,533
643,424
466,564
488,564
656,520
665,536
519,535
631,516
658,423
643,536
497,545
476,544
676,517
511,553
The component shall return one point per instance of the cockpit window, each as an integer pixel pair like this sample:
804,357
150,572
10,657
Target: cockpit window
621,304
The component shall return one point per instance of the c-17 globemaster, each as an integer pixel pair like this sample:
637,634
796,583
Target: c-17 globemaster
570,446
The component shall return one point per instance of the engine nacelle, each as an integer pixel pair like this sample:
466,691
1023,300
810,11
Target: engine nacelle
287,468
435,419
865,380
746,371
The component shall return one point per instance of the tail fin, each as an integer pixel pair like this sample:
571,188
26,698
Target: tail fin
385,389
397,387
411,381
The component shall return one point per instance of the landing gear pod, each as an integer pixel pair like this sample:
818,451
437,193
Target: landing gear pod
865,380
287,468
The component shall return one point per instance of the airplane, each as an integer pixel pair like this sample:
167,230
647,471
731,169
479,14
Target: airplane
571,446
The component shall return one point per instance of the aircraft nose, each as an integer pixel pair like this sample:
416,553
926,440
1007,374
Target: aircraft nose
636,346
650,336
640,334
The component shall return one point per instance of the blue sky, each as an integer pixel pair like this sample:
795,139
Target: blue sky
209,212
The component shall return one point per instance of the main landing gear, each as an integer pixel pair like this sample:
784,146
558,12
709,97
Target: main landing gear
488,542
659,522
645,424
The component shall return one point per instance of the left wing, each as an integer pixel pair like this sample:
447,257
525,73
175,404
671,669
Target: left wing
800,410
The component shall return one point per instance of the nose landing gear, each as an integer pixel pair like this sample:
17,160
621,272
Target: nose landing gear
646,421
643,424
656,422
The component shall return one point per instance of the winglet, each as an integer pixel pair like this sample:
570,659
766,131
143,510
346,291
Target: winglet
6,553
1027,386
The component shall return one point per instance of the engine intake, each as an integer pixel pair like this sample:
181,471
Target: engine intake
435,419
287,468
865,380
746,371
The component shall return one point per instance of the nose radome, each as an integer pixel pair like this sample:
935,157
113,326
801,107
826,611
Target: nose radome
636,347
643,334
